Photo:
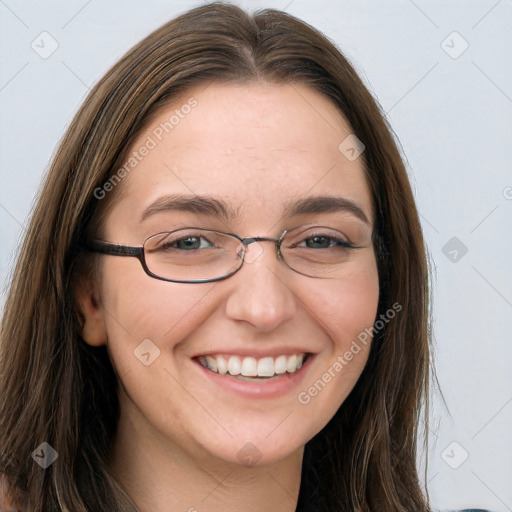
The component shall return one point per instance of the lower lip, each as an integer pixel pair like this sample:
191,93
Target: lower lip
264,389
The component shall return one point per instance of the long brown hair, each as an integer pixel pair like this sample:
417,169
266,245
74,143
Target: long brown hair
55,388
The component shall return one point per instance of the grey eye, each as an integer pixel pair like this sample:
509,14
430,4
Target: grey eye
189,243
320,242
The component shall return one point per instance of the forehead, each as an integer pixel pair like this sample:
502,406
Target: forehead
254,145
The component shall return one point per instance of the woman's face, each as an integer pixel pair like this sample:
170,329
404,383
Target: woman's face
246,160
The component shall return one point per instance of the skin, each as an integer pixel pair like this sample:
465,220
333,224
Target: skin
254,146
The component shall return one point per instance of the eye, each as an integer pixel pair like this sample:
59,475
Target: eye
189,243
324,242
320,242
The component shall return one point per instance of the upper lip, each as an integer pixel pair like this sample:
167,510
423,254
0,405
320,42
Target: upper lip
257,353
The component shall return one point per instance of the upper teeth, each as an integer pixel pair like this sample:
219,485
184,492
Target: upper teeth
252,367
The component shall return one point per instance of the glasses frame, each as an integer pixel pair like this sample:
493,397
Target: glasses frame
99,246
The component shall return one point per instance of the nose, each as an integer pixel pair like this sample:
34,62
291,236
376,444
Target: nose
260,295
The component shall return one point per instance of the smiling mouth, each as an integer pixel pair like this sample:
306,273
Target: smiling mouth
251,368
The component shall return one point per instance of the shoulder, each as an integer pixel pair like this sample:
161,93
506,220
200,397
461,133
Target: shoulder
8,499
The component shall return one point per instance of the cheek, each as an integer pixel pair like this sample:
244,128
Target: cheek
347,306
140,308
346,311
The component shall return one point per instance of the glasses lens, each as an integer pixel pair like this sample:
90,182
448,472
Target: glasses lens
192,254
317,251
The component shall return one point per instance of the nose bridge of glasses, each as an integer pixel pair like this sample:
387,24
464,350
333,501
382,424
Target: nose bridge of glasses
258,250
250,240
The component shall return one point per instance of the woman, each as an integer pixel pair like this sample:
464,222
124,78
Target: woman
269,349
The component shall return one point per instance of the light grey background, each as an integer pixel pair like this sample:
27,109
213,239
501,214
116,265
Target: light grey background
451,110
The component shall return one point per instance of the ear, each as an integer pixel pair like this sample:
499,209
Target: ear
94,331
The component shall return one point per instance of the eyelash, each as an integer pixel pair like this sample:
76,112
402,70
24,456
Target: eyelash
332,240
335,241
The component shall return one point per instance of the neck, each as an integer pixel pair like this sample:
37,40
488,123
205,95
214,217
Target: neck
160,475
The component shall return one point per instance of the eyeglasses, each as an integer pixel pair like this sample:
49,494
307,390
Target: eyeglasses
199,255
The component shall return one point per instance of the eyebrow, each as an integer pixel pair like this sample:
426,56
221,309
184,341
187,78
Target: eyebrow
325,204
202,205
212,206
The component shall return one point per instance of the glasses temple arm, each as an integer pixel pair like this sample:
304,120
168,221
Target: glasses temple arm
112,249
